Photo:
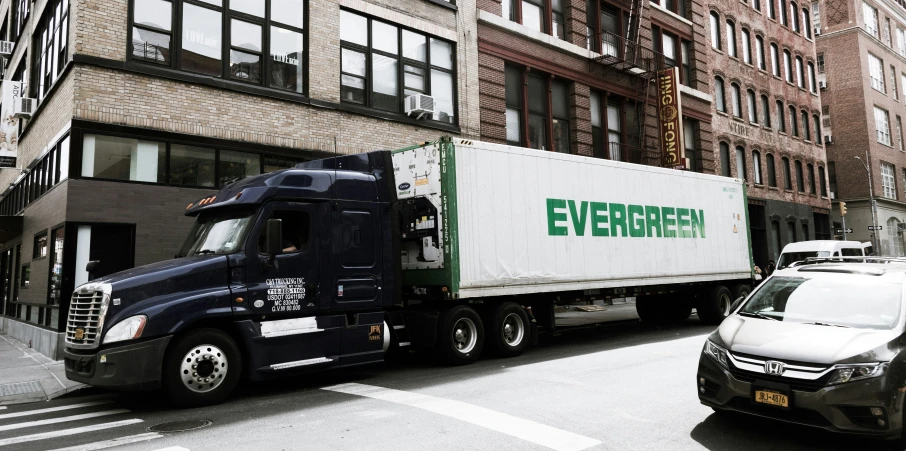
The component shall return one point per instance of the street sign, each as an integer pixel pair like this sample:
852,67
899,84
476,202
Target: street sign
873,228
840,231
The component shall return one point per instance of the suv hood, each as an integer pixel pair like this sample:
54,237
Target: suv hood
810,343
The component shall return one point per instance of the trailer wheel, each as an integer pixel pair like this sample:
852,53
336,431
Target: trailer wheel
660,309
461,335
715,305
509,332
741,291
201,368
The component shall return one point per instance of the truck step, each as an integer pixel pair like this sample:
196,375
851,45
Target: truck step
285,365
398,327
404,343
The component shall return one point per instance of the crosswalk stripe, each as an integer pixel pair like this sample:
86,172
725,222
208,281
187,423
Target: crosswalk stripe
114,442
52,409
83,416
2,407
65,432
173,448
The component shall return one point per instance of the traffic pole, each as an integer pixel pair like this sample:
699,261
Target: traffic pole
844,228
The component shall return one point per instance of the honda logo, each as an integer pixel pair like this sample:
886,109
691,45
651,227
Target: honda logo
773,367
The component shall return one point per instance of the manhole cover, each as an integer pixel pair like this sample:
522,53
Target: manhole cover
179,426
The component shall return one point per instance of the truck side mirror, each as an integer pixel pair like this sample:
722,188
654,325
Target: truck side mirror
91,267
274,237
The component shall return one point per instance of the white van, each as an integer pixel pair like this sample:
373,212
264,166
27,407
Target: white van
802,250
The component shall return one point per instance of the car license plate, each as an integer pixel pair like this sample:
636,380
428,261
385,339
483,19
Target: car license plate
772,398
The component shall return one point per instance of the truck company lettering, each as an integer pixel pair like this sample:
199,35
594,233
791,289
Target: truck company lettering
569,217
285,294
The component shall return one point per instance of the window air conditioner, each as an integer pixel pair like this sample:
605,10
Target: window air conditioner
828,139
817,31
822,84
901,227
24,107
6,47
419,104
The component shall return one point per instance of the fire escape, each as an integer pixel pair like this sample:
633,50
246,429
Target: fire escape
622,58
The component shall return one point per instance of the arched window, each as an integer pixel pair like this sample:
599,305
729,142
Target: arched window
715,30
817,122
800,180
794,126
772,173
784,14
781,118
794,14
812,85
746,47
741,163
719,98
791,232
775,60
756,167
800,76
822,182
811,179
766,110
778,244
806,23
772,12
725,160
787,177
753,107
759,52
788,65
731,38
806,134
735,100
895,240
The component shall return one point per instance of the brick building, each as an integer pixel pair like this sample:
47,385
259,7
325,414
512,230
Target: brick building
862,60
767,128
144,106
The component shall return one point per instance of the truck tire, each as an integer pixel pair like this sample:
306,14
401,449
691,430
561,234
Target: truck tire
741,291
201,368
650,309
461,335
509,330
714,306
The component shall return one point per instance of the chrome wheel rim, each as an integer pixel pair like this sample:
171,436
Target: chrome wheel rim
513,329
725,305
465,335
203,368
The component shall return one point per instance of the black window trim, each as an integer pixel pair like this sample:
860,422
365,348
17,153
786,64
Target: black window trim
38,79
35,256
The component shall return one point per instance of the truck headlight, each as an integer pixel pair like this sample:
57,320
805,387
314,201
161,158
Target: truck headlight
127,329
716,352
849,373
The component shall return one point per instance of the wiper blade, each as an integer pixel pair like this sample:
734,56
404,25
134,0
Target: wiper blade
818,323
205,252
758,315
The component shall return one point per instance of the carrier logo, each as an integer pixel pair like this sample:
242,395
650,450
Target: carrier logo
404,186
774,368
375,333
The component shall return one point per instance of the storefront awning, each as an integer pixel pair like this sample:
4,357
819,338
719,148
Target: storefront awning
10,227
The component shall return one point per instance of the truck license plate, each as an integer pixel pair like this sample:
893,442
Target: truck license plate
772,398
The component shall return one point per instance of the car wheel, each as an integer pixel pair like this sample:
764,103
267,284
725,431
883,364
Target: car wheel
461,335
201,368
508,331
715,305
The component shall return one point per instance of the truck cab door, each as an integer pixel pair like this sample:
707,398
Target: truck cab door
356,257
285,285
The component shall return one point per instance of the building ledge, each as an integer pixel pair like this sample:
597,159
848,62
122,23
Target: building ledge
695,93
546,39
672,14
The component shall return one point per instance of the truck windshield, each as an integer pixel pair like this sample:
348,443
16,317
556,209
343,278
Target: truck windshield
829,301
217,233
787,258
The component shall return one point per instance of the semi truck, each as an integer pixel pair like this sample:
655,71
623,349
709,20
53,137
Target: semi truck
456,247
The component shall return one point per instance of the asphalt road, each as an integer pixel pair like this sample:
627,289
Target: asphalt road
620,387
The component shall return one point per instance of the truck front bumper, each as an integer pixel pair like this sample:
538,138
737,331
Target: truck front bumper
130,367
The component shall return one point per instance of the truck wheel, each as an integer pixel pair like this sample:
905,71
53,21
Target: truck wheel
741,291
650,309
461,335
714,306
201,368
509,332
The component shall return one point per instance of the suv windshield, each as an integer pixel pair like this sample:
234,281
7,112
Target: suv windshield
788,258
217,233
834,301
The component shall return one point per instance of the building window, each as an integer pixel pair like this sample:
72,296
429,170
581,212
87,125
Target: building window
741,172
882,126
784,13
731,38
690,126
817,123
265,46
887,36
746,47
772,9
539,91
820,63
811,178
806,133
20,16
114,158
514,105
192,166
812,85
560,116
756,4
788,66
794,14
25,276
394,63
804,232
778,245
756,167
901,41
670,46
895,238
766,110
800,180
715,30
888,180
806,23
736,100
893,82
781,120
787,176
606,127
51,169
677,7
876,72
558,24
791,232
725,160
614,130
40,246
719,99
51,38
899,133
55,282
759,52
832,178
822,182
870,16
772,172
800,77
794,124
753,108
775,60
902,80
533,14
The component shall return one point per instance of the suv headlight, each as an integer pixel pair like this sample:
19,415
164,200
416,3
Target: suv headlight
717,353
849,373
127,329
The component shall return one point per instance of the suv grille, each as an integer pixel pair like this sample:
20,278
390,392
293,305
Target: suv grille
85,319
804,385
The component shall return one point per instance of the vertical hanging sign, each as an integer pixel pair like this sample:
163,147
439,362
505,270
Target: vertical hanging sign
12,91
670,118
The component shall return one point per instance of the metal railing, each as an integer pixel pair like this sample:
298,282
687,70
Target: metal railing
150,52
623,54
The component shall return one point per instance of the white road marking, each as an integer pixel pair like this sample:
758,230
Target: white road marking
65,432
52,409
173,448
83,416
115,442
2,407
550,437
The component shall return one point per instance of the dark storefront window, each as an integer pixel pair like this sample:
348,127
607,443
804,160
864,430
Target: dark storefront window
237,166
115,158
55,279
25,275
53,168
822,227
40,247
191,166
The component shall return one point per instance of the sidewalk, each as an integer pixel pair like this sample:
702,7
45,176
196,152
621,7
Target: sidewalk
28,376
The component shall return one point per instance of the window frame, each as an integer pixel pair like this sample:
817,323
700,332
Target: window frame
736,100
36,250
756,168
800,178
51,48
732,51
716,39
787,175
725,168
720,94
760,59
525,110
772,170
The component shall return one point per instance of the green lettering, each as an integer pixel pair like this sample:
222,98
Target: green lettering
669,219
579,218
684,225
553,217
653,219
636,221
698,224
617,219
599,221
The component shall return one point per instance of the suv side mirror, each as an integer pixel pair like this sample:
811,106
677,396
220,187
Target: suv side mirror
274,237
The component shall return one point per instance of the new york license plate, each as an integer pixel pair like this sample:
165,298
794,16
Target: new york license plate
772,398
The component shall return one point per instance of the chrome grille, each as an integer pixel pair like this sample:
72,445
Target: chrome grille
86,315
